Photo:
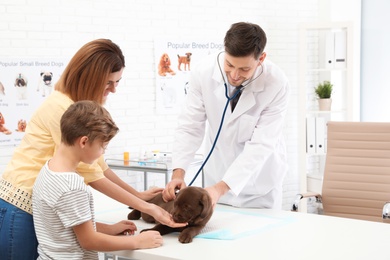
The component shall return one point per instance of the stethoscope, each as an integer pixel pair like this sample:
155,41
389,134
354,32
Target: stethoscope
228,99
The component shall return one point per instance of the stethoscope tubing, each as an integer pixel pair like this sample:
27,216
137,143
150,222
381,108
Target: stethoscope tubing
222,118
217,135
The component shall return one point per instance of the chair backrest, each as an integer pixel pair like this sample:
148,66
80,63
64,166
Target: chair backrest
357,170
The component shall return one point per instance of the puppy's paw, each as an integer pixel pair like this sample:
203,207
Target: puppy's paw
134,215
185,238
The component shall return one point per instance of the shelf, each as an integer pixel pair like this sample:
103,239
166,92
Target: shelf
315,154
315,176
327,70
319,62
314,183
325,112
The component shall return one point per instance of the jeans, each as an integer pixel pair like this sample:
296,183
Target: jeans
17,233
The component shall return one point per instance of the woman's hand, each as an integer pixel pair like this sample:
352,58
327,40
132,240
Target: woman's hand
163,217
150,193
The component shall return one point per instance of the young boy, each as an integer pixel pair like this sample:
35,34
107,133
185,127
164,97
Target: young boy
63,208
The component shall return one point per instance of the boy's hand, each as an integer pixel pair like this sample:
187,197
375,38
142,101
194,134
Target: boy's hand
149,239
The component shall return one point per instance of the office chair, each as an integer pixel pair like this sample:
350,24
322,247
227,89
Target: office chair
356,182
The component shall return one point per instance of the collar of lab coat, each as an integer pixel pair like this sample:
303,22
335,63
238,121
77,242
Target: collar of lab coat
255,86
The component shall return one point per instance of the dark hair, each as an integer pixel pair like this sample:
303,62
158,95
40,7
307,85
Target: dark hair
244,39
87,118
87,73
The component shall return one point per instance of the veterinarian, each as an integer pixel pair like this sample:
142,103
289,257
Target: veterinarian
248,163
92,74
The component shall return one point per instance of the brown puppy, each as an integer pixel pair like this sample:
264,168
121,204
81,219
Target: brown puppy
186,60
192,205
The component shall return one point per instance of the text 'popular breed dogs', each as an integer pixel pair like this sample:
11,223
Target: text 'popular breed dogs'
192,205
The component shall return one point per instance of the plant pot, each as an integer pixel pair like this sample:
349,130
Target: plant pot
324,104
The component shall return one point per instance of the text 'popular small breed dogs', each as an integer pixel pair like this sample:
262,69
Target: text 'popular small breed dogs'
192,205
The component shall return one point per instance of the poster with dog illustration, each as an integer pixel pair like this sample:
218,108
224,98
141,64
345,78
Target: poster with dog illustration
24,84
174,59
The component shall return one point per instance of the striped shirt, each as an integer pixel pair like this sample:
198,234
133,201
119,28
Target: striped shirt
61,200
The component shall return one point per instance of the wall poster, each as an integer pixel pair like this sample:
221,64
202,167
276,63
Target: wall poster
24,84
174,59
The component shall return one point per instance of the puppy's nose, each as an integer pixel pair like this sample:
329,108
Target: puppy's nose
178,218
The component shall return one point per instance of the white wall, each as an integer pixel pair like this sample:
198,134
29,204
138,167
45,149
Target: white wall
375,61
56,28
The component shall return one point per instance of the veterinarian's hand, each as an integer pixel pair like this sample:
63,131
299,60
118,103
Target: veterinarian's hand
169,193
177,183
149,239
217,191
213,194
163,217
150,193
124,227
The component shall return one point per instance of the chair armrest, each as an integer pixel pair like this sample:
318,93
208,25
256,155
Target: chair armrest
300,196
386,212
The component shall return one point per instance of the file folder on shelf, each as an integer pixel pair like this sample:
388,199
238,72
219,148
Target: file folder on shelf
310,135
329,50
340,49
320,135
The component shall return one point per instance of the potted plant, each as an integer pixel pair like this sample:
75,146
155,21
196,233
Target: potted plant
324,93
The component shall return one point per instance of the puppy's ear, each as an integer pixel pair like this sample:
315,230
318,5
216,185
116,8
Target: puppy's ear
206,203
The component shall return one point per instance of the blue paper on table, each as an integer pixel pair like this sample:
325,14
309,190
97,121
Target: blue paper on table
228,224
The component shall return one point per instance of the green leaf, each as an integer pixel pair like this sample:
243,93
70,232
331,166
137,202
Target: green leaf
324,90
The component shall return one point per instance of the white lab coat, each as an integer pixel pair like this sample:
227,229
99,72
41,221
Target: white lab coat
250,154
